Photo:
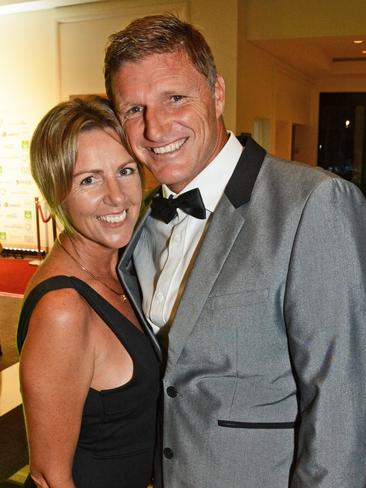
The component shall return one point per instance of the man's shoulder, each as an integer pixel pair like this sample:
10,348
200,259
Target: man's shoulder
294,173
293,182
287,171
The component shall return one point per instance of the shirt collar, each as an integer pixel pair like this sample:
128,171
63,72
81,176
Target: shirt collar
214,178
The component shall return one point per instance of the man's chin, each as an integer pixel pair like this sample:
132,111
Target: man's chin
169,173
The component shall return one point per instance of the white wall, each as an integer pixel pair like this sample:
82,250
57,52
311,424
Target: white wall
28,89
49,55
271,91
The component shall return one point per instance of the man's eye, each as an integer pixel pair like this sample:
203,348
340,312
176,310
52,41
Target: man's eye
177,98
134,110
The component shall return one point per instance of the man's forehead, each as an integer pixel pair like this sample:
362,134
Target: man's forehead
139,79
166,65
179,60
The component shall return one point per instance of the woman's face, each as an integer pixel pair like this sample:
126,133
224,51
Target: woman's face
104,202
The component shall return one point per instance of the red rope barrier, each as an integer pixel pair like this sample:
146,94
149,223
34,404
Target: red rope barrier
44,219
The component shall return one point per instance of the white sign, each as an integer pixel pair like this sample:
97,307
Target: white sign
17,188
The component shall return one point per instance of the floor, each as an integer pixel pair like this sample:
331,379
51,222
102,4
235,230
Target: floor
13,446
9,311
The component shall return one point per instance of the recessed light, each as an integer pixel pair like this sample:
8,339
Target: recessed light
358,42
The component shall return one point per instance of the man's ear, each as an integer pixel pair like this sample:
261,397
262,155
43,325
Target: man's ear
219,96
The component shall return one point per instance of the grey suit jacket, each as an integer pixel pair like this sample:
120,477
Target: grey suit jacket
265,380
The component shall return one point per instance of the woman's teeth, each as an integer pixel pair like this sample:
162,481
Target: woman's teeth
112,219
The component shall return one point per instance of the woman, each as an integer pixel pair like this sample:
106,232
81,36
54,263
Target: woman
89,374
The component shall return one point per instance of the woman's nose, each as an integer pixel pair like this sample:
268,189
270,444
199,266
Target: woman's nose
114,194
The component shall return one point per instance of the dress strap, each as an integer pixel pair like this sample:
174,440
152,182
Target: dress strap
94,299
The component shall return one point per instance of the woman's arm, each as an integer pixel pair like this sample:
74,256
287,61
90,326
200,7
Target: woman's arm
56,370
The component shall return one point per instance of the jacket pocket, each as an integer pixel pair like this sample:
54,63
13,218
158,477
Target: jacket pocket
256,425
238,299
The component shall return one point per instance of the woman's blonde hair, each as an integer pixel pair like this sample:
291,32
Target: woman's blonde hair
53,148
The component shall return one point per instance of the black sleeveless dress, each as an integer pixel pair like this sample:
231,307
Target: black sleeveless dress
118,430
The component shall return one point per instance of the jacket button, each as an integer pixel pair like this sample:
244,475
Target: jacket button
168,453
171,391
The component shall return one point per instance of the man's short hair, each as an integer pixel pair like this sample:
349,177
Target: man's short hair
157,34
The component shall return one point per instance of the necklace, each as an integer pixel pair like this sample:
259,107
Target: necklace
122,296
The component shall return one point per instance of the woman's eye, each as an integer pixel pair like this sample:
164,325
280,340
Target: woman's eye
126,171
87,181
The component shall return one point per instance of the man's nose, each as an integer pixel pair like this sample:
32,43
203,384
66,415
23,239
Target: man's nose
156,123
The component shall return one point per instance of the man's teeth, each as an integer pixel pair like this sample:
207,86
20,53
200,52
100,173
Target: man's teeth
112,219
169,148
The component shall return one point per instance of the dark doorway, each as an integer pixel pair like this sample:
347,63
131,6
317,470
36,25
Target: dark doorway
342,135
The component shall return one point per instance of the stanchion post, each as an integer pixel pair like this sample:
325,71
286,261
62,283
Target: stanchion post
54,230
39,260
38,230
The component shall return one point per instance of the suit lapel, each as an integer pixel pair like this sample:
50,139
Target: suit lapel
240,186
126,271
226,220
126,268
206,268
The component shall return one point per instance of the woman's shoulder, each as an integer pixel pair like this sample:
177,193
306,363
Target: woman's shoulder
59,326
56,305
51,267
54,282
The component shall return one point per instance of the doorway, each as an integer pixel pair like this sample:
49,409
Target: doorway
341,138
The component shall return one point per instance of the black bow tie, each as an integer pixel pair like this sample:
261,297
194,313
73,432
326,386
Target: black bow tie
190,202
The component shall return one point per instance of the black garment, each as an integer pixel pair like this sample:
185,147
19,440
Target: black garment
190,202
117,437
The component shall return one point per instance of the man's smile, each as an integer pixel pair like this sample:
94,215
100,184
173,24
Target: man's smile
169,148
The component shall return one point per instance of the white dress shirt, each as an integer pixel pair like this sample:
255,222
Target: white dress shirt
165,251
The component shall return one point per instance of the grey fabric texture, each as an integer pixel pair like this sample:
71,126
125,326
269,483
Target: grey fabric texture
267,352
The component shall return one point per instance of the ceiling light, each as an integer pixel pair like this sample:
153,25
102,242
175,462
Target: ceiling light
358,42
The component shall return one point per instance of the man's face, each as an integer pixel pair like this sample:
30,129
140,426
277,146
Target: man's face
171,117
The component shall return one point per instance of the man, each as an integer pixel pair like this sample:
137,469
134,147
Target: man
259,296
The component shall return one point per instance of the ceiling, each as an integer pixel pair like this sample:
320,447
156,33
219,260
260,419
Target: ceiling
320,57
315,57
18,6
